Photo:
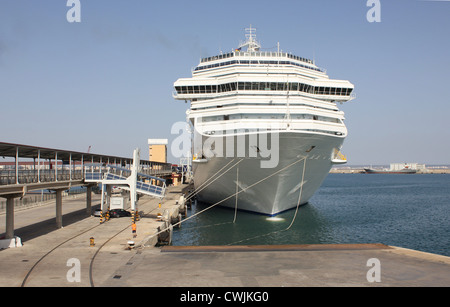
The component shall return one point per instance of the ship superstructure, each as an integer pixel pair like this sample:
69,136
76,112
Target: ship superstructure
268,115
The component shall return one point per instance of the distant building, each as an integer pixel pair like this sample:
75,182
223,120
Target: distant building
157,150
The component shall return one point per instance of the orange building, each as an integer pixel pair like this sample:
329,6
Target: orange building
157,150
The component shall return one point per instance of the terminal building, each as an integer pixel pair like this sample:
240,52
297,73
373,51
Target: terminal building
157,150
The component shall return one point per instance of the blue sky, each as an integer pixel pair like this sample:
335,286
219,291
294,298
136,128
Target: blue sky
107,81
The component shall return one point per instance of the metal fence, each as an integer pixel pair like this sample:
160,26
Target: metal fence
39,198
34,176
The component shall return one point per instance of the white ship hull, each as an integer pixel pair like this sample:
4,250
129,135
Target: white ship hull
280,187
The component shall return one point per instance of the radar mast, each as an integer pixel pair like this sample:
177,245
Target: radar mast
251,43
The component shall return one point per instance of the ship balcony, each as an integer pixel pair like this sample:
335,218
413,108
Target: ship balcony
228,127
338,98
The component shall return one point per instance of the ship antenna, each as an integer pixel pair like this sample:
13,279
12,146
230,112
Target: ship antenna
251,42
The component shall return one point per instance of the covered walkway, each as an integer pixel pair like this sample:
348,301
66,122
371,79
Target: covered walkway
26,168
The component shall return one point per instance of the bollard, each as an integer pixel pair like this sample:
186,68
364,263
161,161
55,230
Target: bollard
179,220
91,242
130,244
101,217
107,216
159,213
170,234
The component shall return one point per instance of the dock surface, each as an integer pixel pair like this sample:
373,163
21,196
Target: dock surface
47,260
330,265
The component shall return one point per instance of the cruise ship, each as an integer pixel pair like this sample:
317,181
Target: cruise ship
265,126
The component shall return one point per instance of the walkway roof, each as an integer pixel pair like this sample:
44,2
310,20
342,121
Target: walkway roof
26,151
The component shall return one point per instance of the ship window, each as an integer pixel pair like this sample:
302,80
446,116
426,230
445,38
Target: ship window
248,86
273,86
240,86
255,86
233,86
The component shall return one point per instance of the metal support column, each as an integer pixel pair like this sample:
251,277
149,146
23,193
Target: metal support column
70,167
17,165
88,200
59,208
56,166
39,165
108,196
9,217
102,204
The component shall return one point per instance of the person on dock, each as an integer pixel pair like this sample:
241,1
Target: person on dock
133,229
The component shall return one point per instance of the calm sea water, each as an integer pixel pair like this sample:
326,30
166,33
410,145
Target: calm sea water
411,211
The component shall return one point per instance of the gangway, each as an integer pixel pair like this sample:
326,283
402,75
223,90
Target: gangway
127,179
141,187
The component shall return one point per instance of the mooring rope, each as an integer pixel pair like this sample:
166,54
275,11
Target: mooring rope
299,196
193,193
237,189
232,195
295,214
201,187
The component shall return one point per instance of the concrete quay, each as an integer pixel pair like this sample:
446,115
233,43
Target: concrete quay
110,263
53,248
